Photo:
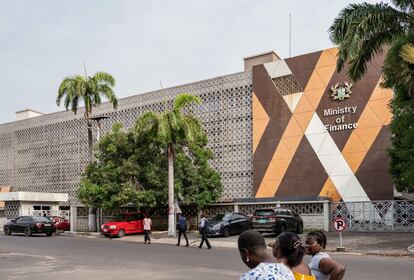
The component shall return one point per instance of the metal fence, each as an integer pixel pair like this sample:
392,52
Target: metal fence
375,216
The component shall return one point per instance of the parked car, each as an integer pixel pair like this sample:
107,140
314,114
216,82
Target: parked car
229,223
30,225
60,223
277,220
125,223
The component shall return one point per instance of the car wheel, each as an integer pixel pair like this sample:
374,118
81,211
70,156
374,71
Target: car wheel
226,232
121,233
7,231
49,233
27,232
299,230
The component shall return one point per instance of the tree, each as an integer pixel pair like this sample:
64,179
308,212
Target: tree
88,90
364,30
132,171
174,129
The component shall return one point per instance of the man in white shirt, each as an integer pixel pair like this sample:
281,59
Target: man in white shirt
147,229
204,227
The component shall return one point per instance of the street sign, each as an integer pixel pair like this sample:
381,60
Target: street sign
339,224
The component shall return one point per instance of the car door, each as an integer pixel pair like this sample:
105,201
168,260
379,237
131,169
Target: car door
234,224
291,220
23,223
243,222
14,224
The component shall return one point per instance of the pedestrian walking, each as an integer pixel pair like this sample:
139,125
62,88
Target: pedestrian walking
321,264
182,229
147,229
204,227
253,252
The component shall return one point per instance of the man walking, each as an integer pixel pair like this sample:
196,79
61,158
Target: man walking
147,229
204,228
182,228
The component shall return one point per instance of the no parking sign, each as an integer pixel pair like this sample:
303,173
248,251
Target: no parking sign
339,224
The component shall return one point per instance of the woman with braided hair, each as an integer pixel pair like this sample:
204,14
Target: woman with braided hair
289,250
321,264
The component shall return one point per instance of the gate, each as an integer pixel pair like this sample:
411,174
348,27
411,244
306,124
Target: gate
375,216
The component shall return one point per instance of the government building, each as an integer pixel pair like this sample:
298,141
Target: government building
281,130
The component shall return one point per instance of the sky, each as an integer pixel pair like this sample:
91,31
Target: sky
145,43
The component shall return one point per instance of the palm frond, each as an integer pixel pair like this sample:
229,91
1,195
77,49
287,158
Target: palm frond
146,123
407,53
361,30
404,5
185,99
109,93
104,78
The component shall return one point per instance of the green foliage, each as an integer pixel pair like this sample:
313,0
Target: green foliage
87,89
364,30
131,167
402,150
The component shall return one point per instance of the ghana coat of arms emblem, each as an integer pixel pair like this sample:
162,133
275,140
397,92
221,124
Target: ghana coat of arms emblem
341,90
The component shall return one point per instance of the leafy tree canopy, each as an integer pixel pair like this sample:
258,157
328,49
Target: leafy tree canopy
132,170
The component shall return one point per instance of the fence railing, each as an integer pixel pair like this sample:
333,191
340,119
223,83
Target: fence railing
375,216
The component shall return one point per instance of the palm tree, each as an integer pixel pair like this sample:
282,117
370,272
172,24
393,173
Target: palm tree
364,30
88,90
173,128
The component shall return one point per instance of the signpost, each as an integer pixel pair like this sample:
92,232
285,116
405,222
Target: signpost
339,225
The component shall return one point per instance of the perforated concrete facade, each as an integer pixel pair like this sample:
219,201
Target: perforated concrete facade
49,152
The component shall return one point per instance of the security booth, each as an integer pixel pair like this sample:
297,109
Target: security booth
33,204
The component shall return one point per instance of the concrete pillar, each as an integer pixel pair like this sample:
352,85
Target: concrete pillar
73,218
326,215
236,208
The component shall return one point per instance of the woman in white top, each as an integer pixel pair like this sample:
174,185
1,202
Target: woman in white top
321,264
264,266
147,229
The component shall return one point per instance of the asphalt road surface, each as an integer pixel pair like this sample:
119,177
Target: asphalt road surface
80,257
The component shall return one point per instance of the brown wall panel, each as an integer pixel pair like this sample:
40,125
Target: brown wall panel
305,175
373,172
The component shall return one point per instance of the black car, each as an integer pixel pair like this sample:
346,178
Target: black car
30,225
277,220
229,223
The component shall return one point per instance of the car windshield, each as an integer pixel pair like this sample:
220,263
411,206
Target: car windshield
221,217
264,213
41,219
118,218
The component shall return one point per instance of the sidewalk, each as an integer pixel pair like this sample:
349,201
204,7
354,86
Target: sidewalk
383,244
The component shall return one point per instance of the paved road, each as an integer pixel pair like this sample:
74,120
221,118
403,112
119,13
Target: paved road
80,257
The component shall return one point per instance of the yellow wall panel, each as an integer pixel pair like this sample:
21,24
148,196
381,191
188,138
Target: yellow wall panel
314,97
304,105
292,129
368,118
380,109
282,151
325,74
330,191
314,82
368,135
326,59
303,120
354,145
259,112
292,143
354,159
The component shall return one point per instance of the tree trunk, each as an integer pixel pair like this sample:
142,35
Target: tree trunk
171,217
91,211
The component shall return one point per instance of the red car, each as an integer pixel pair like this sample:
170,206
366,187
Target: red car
60,223
126,223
